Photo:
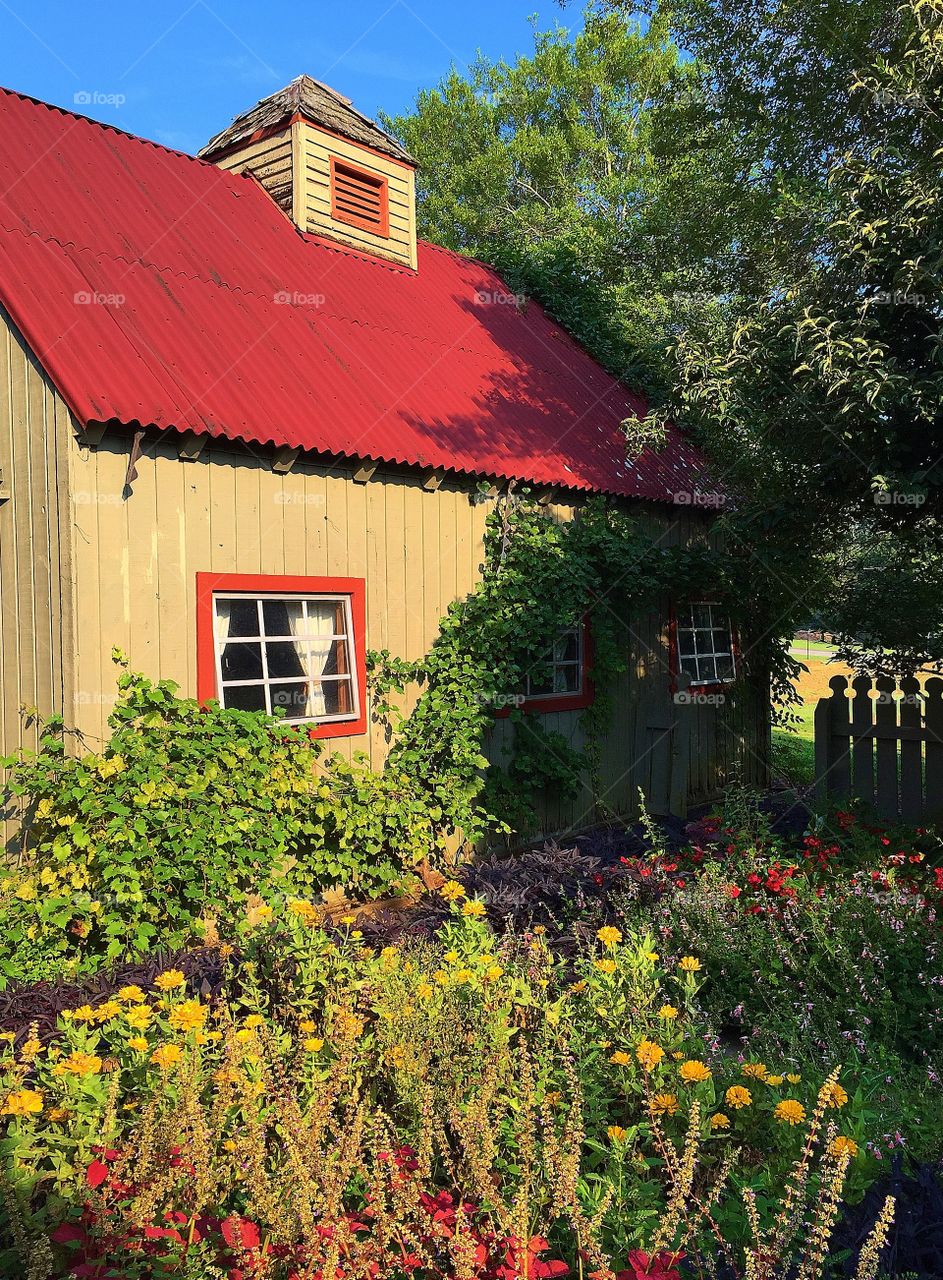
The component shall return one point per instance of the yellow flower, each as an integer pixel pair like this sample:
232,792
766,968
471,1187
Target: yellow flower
169,979
441,977
348,919
166,1056
793,1078
652,956
689,964
620,1058
23,1102
775,1081
397,1057
452,890
463,975
26,891
307,912
577,987
606,965
84,1013
649,1054
390,957
609,935
832,1094
105,1012
789,1111
842,1147
720,1121
473,908
693,1071
188,1016
32,1048
252,1021
57,1114
450,957
424,990
616,1133
131,995
313,1044
754,1070
138,1016
79,1064
494,973
738,1097
668,1012
306,1025
138,1042
665,1104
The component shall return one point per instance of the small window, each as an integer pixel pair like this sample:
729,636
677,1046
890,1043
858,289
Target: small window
294,646
359,198
560,671
705,643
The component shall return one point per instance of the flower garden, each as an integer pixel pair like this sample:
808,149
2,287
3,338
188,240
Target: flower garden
632,1060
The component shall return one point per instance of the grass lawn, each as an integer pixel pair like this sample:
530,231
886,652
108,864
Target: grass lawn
793,751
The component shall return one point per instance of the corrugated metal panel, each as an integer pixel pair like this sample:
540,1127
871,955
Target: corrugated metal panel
191,267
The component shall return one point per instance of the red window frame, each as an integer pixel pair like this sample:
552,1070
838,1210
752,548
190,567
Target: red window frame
374,179
584,697
674,658
209,584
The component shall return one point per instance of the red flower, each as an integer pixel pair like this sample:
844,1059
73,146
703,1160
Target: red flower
732,890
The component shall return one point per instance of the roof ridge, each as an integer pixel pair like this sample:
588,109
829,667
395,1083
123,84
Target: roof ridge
104,124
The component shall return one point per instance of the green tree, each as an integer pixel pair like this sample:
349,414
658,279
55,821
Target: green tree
825,408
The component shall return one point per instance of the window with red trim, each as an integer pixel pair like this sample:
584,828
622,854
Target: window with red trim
360,198
284,644
704,643
560,679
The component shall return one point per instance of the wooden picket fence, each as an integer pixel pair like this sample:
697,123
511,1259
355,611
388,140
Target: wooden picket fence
886,750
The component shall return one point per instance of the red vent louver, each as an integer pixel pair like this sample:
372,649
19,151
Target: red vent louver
359,198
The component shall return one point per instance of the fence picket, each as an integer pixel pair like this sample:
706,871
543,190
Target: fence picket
911,752
885,731
933,718
862,722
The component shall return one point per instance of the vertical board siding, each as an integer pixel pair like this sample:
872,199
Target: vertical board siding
85,566
35,577
136,562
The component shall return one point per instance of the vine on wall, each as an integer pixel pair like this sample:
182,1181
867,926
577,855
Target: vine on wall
540,576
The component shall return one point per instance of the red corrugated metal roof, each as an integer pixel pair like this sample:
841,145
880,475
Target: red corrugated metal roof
189,269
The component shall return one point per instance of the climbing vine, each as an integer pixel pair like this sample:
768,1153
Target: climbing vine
540,576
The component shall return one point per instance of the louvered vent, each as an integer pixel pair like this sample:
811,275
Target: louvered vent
359,198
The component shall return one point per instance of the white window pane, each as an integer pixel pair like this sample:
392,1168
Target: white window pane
241,661
244,697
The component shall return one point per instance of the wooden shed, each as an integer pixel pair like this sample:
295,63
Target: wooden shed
244,422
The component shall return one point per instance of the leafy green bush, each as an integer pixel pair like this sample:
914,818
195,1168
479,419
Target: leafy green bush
185,811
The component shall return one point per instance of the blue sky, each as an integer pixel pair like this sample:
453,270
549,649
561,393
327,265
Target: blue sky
178,72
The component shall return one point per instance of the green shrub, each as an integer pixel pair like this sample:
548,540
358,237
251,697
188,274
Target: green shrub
185,811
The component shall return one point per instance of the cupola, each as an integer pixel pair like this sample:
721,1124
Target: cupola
334,172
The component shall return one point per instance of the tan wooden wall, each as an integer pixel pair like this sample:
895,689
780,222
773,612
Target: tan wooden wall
85,566
316,148
270,160
35,574
136,561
